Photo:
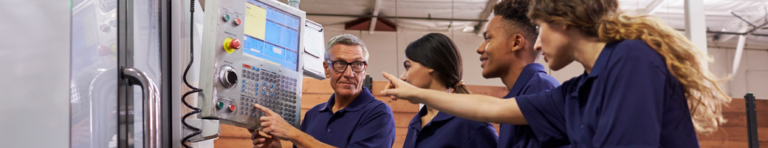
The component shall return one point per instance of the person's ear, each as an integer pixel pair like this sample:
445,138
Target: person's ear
518,42
327,70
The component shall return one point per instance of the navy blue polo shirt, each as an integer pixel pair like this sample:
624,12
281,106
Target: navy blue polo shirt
366,122
629,99
532,79
449,131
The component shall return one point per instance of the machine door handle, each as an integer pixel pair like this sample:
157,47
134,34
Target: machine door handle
151,96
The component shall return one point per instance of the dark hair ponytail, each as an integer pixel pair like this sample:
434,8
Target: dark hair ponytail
438,52
461,89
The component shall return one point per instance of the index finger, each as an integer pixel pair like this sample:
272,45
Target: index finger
392,79
266,110
388,86
265,135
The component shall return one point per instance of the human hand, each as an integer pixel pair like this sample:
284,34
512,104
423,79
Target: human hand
264,141
399,89
274,125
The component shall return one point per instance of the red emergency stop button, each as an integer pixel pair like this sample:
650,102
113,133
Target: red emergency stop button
238,21
232,107
235,43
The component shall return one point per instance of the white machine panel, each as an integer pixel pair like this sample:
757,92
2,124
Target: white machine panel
251,54
35,74
314,50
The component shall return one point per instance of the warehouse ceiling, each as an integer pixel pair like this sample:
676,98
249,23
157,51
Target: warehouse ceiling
469,15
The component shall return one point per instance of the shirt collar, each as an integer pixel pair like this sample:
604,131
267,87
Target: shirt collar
525,75
360,101
597,68
440,117
602,59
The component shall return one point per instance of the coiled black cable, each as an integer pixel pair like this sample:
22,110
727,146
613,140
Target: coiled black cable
184,78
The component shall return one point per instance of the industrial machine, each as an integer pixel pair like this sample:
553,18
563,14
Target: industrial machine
116,73
251,54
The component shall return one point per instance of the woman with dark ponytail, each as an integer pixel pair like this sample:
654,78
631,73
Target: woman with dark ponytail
433,62
644,83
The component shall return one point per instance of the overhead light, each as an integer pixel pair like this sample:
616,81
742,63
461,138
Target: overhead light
468,29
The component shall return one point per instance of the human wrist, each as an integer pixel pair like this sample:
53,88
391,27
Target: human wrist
420,95
294,135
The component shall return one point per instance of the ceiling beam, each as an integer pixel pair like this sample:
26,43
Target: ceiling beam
678,11
738,54
653,6
765,22
398,17
730,33
742,26
376,9
741,43
696,24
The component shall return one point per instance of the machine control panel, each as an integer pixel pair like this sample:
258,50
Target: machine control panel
251,55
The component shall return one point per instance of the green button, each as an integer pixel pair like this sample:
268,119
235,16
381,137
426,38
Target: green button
226,17
220,105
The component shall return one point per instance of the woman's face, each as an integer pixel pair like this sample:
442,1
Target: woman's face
553,42
416,74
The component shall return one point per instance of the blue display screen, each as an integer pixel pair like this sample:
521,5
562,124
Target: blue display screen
280,41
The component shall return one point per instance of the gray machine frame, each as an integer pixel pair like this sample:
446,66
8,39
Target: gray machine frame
213,58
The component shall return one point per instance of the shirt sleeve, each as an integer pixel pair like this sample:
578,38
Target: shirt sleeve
632,107
484,136
545,113
540,82
376,130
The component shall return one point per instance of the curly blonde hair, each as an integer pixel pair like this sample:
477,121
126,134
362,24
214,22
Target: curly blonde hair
602,19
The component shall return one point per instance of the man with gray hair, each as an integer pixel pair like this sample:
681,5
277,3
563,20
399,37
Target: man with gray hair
352,117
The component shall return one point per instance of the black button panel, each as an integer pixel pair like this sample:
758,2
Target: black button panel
270,89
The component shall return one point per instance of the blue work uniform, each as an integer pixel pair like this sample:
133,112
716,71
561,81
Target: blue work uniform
449,131
629,99
532,79
366,122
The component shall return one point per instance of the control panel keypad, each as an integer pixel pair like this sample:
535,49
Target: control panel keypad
269,89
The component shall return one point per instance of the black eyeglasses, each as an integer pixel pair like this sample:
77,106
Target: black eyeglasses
341,66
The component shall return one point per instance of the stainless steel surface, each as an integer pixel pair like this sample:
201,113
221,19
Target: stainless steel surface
314,50
151,95
146,57
93,81
178,40
35,56
180,37
166,68
125,107
138,30
227,76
